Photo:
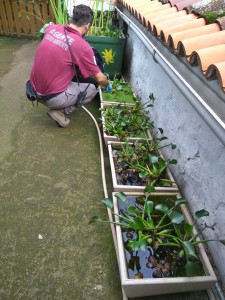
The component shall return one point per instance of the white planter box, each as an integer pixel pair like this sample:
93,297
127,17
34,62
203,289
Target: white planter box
156,286
113,102
135,188
111,138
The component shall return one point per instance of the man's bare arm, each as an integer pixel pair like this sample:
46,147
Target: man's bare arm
101,79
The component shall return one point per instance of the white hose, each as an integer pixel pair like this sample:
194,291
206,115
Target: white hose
105,187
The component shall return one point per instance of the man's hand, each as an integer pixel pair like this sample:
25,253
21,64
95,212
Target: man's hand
42,30
101,79
108,88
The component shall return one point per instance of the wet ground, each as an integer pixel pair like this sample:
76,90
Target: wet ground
50,186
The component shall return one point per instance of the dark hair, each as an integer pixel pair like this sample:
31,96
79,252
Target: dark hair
82,15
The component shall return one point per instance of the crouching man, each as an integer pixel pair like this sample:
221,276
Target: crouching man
53,68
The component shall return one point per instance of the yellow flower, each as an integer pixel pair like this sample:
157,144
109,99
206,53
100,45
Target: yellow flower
108,56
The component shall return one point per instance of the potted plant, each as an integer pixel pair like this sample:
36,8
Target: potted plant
123,122
58,14
135,165
159,249
121,93
107,37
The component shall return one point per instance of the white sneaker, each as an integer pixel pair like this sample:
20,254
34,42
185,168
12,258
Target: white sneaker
59,116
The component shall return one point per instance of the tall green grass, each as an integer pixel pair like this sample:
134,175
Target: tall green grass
59,9
102,19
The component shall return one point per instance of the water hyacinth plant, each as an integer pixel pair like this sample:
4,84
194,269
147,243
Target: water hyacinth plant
103,21
140,163
124,121
161,229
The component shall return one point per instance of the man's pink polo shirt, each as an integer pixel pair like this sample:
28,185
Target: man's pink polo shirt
53,70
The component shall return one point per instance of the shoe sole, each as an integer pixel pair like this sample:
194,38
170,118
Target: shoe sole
57,121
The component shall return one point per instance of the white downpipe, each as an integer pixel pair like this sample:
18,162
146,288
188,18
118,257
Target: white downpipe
207,114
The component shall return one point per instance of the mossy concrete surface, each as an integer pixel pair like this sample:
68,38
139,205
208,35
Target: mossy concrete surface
50,187
50,184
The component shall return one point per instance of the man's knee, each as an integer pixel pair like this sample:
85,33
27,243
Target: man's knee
91,91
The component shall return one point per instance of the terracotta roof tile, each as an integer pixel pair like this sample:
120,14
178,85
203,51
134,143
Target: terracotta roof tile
179,25
137,10
221,22
207,56
197,31
187,46
152,9
164,34
217,71
130,3
142,4
157,10
182,4
171,23
174,2
169,17
148,19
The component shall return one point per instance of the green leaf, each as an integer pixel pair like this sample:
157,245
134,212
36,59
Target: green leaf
149,188
165,231
193,268
181,253
165,182
176,217
149,206
143,174
222,241
108,203
154,159
143,245
149,224
170,244
135,245
159,240
95,219
201,213
173,162
188,228
121,196
160,130
162,207
133,210
138,223
189,249
180,201
162,138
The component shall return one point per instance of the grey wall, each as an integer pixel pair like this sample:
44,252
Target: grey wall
200,172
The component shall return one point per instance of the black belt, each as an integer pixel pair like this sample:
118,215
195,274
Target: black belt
33,95
47,97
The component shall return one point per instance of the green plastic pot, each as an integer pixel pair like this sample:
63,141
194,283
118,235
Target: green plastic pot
111,50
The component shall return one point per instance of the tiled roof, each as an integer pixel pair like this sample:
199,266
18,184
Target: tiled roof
182,27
